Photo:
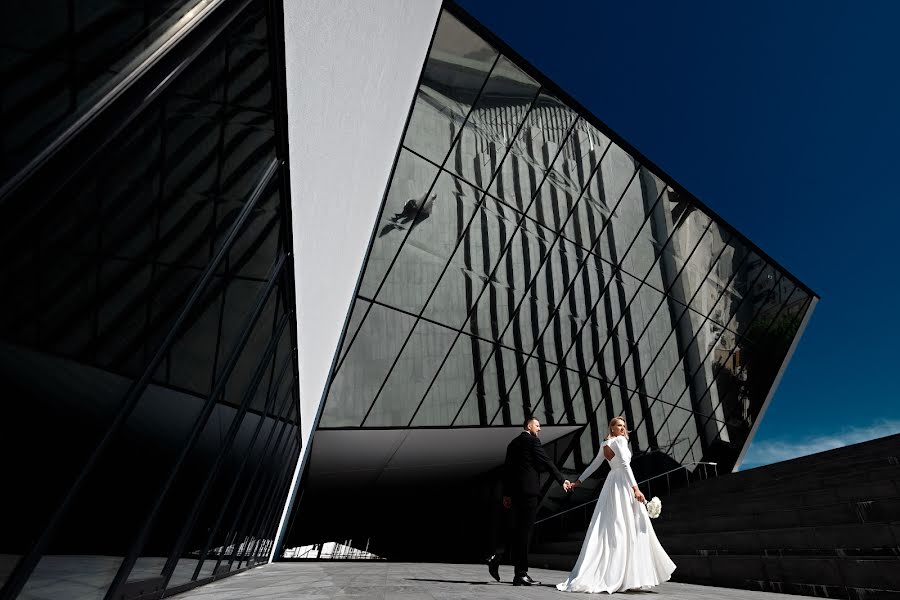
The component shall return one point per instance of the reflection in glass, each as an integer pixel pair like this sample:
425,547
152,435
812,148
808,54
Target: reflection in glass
455,71
156,363
492,125
581,286
57,62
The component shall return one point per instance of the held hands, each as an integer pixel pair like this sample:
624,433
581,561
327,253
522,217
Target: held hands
507,502
570,486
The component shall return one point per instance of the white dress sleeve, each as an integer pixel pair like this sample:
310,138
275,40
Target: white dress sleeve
595,464
620,448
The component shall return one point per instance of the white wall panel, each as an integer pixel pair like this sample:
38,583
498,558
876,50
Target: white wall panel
352,69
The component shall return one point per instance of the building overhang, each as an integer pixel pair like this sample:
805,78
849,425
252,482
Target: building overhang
383,458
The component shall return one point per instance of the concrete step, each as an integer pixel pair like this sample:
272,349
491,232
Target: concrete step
724,488
785,471
882,510
843,576
869,539
685,508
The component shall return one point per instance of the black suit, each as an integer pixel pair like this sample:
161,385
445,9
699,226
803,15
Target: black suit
525,460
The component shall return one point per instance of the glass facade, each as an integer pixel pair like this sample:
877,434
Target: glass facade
527,262
147,329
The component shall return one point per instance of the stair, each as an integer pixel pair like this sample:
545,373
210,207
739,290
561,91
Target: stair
824,525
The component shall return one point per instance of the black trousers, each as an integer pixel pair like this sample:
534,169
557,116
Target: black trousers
515,524
524,513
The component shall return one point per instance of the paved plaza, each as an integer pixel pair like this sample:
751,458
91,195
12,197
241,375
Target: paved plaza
419,581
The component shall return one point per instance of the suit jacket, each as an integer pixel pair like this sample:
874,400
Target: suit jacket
525,460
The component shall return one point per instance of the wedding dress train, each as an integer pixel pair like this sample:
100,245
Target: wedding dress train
620,550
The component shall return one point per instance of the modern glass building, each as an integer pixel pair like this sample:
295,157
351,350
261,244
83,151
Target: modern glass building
260,293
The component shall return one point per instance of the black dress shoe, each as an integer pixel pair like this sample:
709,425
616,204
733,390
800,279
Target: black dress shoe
493,564
525,580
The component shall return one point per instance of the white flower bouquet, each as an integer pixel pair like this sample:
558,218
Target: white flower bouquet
654,507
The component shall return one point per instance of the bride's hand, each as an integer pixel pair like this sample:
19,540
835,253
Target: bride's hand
639,496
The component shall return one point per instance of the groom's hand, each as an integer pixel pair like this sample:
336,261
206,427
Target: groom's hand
507,502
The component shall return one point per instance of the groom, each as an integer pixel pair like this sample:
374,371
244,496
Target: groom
525,459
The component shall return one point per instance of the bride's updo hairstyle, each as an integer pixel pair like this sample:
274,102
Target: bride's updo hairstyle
609,431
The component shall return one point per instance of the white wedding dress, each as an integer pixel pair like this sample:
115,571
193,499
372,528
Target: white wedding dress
620,550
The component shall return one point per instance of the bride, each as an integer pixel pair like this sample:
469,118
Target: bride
620,550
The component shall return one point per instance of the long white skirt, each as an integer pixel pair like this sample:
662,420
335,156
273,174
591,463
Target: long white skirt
620,550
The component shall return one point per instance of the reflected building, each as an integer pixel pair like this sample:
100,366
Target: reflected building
233,323
526,260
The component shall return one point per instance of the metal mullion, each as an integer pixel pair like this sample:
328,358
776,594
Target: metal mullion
606,287
269,521
145,65
626,399
137,544
538,339
265,363
545,269
406,235
266,503
738,340
801,315
28,562
592,316
233,530
500,257
259,501
445,326
567,291
663,301
220,151
459,240
529,69
504,253
285,403
484,192
653,287
570,281
744,366
584,275
501,260
684,312
267,549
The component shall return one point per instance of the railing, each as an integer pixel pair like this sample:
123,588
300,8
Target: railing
702,474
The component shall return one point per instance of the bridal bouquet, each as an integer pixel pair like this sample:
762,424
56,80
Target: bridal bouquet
654,507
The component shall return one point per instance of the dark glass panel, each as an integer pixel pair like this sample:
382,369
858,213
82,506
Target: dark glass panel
492,124
271,432
202,463
57,56
534,149
445,398
365,367
473,265
114,255
415,368
455,71
605,193
430,243
407,204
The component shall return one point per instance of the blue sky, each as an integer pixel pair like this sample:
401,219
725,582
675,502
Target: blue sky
784,117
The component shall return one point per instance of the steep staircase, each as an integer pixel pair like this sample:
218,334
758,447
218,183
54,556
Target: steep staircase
823,525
